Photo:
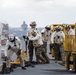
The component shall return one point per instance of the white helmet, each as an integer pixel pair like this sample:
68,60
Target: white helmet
33,23
55,27
65,25
47,27
68,27
58,28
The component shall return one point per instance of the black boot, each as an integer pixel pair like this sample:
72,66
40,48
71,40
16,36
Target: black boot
0,72
8,71
11,69
23,68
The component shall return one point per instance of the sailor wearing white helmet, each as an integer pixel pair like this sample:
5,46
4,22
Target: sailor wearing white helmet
15,46
70,31
4,52
40,50
46,34
57,40
30,42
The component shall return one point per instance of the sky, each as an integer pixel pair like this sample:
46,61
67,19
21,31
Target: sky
44,12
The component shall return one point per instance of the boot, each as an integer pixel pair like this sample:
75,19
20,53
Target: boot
11,69
8,71
23,68
0,72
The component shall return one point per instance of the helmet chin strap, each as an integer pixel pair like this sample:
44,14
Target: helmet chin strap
12,40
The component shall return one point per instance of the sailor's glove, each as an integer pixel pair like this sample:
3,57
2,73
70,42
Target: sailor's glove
58,37
19,52
27,38
34,34
61,43
24,37
42,33
5,58
9,47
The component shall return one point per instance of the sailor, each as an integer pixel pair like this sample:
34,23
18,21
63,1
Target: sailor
38,44
15,46
0,60
57,39
30,42
4,28
69,30
46,36
73,27
4,53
